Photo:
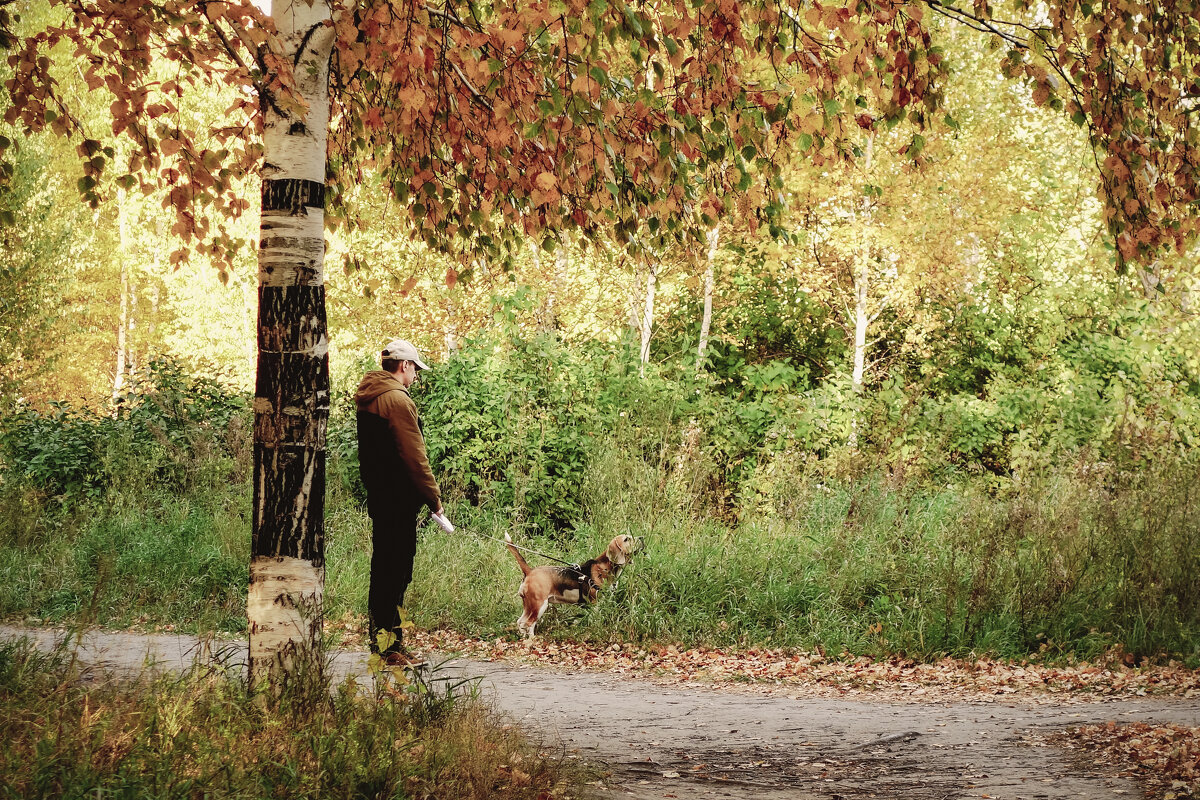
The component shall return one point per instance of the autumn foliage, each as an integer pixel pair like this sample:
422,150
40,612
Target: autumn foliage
643,120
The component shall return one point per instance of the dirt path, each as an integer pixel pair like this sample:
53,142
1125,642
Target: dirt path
656,741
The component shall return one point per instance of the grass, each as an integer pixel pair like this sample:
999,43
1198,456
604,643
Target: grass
1072,566
134,557
1066,569
203,735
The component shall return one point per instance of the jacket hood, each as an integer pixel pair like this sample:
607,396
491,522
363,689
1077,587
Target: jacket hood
374,384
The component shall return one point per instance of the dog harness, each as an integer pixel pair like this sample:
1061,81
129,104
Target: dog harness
584,579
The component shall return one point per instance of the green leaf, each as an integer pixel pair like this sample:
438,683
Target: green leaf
635,24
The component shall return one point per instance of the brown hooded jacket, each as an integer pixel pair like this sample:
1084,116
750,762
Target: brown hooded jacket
391,449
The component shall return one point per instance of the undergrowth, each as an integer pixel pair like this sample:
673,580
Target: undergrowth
844,553
204,734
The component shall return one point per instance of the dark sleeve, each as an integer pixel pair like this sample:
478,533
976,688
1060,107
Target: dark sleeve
401,414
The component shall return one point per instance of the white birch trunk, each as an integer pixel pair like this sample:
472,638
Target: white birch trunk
287,569
861,321
648,319
122,323
556,277
123,315
131,352
647,326
862,318
451,337
714,237
634,299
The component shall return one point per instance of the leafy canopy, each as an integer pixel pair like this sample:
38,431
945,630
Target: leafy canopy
489,122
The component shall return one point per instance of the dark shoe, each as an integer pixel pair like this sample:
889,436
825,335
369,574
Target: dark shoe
402,659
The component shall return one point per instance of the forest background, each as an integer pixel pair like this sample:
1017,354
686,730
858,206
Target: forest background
931,419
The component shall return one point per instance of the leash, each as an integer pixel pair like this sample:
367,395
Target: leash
574,567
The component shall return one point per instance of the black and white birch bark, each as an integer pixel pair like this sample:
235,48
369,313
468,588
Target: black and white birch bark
291,397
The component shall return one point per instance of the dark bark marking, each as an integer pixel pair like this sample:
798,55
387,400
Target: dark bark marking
277,529
292,195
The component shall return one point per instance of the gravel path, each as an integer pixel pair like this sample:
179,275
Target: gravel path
658,741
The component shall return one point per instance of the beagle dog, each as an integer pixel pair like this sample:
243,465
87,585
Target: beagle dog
568,585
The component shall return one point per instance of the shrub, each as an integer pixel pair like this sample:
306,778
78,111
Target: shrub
169,428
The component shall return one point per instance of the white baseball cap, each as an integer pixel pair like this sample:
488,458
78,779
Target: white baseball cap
402,350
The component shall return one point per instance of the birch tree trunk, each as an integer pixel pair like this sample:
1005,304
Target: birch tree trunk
861,320
861,286
634,299
131,352
556,278
714,237
123,314
291,396
451,337
648,319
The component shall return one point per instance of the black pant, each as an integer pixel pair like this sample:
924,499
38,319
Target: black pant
393,547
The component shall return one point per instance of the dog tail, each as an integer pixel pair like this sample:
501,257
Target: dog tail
520,559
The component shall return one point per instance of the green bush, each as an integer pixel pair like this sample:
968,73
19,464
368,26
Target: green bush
168,428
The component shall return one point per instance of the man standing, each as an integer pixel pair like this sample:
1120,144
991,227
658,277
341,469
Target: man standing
395,470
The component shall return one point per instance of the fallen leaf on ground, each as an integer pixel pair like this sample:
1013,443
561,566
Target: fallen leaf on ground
1166,757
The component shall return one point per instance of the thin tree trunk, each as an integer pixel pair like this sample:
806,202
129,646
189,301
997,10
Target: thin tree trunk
291,402
123,316
648,314
1151,281
861,285
122,324
552,299
451,328
714,237
152,319
131,351
861,320
648,319
635,298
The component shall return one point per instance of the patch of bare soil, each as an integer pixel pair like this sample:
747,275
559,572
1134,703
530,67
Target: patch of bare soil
829,729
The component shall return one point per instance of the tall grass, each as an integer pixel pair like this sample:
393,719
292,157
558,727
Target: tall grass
835,553
1070,568
205,735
